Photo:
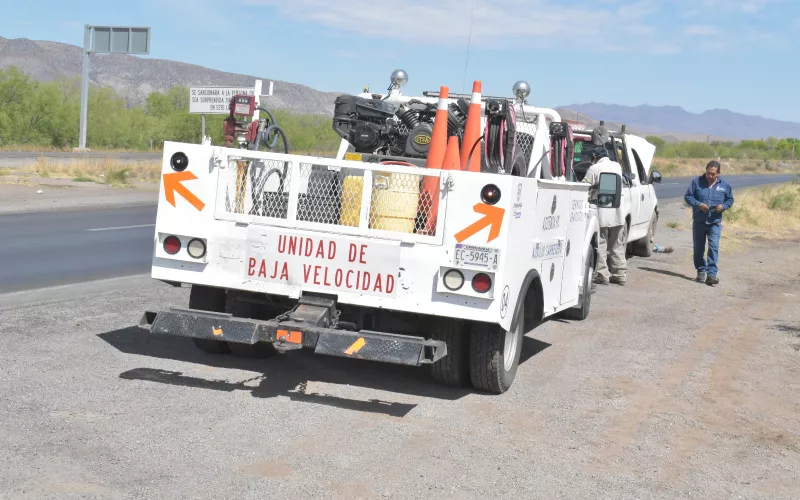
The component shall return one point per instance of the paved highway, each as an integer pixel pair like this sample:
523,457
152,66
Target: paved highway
53,248
675,187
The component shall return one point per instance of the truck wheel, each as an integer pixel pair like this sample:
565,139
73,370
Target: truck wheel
494,355
453,369
205,298
644,246
581,311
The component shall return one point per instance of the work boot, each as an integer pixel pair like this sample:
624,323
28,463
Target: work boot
701,277
712,280
599,280
618,280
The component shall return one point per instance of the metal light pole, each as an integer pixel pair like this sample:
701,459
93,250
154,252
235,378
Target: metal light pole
107,40
87,40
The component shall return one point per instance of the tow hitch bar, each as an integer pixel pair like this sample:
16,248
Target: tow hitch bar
311,324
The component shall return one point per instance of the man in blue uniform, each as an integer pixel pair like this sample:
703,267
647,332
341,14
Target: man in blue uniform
709,195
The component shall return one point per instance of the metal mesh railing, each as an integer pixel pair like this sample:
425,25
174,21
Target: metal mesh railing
525,132
332,195
258,187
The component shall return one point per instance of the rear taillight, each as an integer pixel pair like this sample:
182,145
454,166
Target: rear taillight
453,279
172,245
196,248
481,283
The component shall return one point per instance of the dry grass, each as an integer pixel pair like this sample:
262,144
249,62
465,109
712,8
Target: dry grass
683,167
51,149
770,212
111,172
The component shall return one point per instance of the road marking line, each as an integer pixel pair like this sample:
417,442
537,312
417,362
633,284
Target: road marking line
120,227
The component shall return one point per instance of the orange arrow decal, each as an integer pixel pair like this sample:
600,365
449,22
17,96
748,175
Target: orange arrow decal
173,184
492,216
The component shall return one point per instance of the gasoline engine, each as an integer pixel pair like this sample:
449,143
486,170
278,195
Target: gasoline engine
379,127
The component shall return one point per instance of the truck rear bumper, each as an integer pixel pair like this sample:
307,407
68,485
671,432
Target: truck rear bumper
291,335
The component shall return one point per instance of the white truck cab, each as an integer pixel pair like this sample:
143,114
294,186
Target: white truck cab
353,257
639,200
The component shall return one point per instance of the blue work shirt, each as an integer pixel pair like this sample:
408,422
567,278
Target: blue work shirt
700,192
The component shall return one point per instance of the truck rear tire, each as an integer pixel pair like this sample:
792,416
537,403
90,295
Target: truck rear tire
581,311
494,355
453,369
644,247
206,298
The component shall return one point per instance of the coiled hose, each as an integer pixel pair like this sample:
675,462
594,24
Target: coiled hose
270,132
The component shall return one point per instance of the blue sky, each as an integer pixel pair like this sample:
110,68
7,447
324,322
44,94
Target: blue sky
698,54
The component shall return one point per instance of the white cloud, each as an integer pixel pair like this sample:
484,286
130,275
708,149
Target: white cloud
701,29
497,23
746,6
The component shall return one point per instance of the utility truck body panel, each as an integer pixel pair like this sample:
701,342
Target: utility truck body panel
279,245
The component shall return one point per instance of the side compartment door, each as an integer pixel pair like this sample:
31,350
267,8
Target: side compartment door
549,245
573,253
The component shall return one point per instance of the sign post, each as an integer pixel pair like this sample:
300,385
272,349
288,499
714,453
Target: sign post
213,100
107,40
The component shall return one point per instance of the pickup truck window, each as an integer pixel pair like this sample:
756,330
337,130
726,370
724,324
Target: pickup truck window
583,156
640,167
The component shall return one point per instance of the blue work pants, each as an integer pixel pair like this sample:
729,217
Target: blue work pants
712,233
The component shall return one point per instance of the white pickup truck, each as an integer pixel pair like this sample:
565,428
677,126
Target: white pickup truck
639,200
347,257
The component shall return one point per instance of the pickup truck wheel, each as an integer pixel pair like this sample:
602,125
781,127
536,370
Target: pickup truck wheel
453,369
581,311
644,246
494,355
205,298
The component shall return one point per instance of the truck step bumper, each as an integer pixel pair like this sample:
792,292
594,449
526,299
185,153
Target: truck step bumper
290,335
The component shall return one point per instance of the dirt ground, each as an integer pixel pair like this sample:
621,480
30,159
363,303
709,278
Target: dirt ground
670,389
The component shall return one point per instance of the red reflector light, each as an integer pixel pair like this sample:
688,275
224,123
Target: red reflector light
481,283
172,245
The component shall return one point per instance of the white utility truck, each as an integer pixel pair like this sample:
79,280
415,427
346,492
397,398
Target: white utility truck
353,257
639,201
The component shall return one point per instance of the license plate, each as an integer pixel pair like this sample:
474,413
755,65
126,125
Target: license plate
475,256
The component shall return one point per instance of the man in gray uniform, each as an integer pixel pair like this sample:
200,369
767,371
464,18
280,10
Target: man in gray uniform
611,264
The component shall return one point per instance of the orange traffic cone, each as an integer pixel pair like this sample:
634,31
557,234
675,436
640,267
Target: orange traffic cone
451,156
439,136
451,162
472,132
429,197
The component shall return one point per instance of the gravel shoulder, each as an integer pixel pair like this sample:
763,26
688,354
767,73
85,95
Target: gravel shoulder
65,194
670,389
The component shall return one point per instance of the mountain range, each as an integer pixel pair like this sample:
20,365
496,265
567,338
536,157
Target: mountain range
675,122
134,77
